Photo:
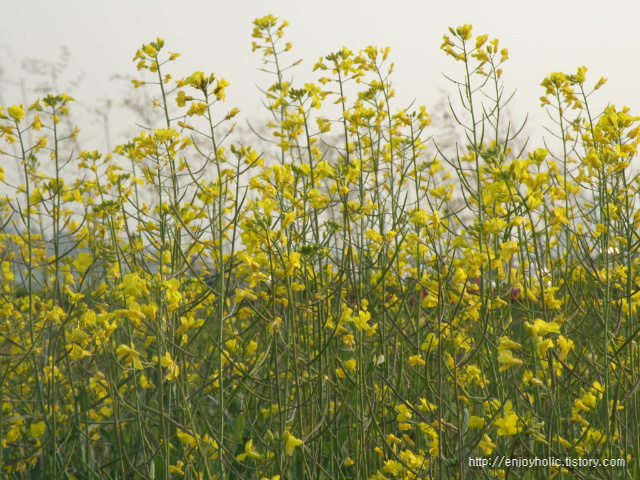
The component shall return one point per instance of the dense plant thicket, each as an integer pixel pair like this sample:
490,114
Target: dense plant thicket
352,302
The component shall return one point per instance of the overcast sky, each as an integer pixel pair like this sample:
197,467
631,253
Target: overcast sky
214,36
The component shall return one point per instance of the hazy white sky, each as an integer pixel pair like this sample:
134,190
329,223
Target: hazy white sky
215,36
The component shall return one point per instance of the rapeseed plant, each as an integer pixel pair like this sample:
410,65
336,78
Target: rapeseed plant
357,305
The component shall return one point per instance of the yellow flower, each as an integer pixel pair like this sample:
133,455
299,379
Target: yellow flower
426,406
150,50
475,422
361,320
600,83
597,390
562,441
149,310
464,32
232,114
275,325
351,364
540,328
37,429
130,355
393,467
250,348
249,452
416,360
16,112
589,400
507,360
167,361
373,236
145,383
290,442
83,262
486,444
36,106
133,285
578,405
182,98
507,249
576,417
430,344
506,344
507,425
74,297
198,108
544,345
196,79
481,40
405,413
14,433
288,218
172,294
292,263
78,352
242,294
187,439
78,336
391,439
496,303
177,468
219,90
580,76
494,225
